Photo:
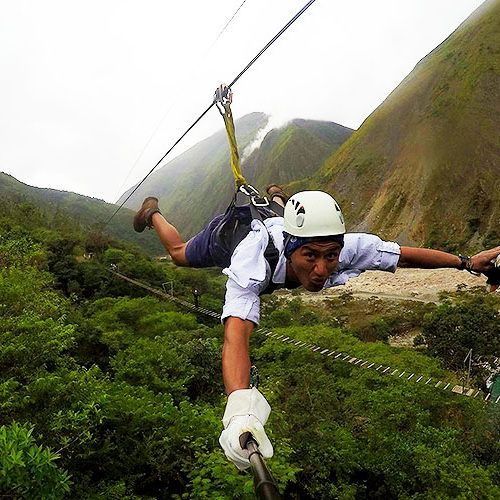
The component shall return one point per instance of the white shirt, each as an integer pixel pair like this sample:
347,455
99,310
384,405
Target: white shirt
249,272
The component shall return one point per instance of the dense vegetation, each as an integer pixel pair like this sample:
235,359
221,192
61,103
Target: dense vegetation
109,393
70,212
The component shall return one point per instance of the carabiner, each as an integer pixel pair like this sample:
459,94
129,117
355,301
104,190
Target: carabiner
223,97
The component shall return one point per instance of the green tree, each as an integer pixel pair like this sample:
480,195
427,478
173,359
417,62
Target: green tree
471,322
28,470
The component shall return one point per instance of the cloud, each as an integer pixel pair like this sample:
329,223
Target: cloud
274,122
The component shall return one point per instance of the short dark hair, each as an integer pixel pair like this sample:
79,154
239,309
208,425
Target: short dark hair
291,242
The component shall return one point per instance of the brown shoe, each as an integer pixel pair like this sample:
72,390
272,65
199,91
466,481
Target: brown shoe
274,190
142,218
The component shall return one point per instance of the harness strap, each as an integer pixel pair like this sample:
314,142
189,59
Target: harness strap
235,157
223,98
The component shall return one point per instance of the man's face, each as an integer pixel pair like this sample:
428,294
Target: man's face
311,264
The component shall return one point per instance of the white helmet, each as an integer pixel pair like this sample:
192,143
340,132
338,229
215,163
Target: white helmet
313,213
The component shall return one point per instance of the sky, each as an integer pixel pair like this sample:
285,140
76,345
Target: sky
92,94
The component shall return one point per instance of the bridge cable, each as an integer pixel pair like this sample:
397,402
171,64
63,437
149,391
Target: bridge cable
405,375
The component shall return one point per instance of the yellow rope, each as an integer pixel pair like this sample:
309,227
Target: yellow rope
233,146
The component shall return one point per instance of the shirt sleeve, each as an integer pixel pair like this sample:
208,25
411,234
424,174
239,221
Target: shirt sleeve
364,252
248,274
241,302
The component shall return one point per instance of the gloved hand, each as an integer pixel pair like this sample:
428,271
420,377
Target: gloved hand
246,411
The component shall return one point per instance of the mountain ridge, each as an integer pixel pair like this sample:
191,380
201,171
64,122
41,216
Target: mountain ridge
295,150
77,209
436,133
201,177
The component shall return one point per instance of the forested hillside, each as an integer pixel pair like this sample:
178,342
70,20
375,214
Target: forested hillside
70,212
106,392
198,183
424,167
110,391
294,151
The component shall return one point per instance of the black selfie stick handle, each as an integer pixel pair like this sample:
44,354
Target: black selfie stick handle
263,481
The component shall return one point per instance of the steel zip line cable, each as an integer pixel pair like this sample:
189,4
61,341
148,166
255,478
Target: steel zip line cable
238,76
155,131
275,37
228,22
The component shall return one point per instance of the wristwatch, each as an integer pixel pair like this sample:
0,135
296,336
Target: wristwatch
464,262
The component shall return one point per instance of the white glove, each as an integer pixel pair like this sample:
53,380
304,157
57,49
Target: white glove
246,411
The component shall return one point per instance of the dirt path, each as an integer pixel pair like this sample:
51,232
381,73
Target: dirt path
391,296
423,285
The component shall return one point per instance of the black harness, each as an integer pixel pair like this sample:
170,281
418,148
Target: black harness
235,225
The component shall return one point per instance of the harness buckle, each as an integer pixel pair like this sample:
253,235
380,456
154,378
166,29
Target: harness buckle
260,201
256,199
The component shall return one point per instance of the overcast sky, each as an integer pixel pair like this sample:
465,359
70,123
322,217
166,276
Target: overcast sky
88,86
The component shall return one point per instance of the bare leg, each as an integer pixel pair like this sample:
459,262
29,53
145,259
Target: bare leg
170,239
278,200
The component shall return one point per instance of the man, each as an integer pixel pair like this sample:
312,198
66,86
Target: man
314,252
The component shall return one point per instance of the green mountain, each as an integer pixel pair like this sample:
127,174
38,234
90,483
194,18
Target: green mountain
424,167
294,151
198,183
72,211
